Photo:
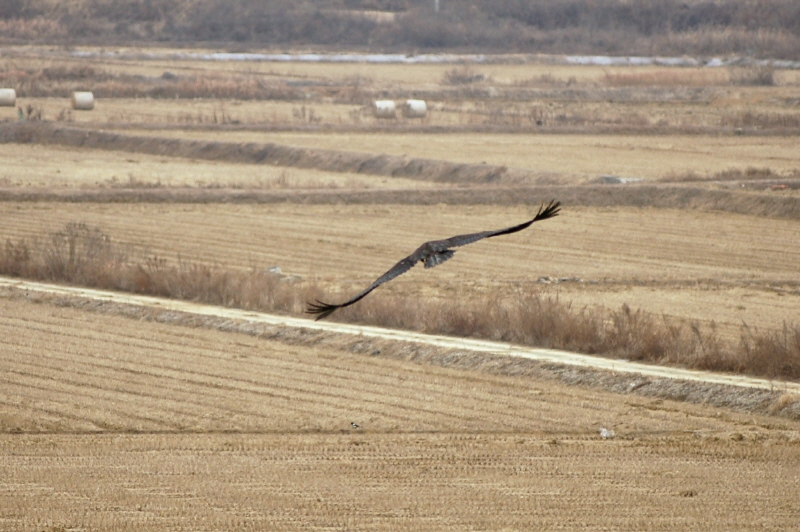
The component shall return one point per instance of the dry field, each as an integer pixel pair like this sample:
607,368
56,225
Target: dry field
527,70
114,424
534,94
65,168
580,157
701,267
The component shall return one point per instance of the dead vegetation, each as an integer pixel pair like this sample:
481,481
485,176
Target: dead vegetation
464,98
86,256
668,27
747,174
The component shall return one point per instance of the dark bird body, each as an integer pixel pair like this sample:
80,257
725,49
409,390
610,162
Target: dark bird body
432,254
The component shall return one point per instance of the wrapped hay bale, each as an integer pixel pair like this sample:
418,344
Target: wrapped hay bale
415,109
8,97
82,101
384,109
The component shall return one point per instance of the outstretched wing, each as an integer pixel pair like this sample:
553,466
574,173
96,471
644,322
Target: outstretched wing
323,310
544,213
434,252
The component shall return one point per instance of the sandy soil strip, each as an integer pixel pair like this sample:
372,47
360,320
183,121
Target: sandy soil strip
484,346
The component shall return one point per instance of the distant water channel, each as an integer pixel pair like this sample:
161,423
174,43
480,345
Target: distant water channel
600,60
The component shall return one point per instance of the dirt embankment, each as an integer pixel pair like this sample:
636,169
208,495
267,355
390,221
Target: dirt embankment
268,153
489,177
659,196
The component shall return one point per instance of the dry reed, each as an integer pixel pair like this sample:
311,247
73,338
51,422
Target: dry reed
83,255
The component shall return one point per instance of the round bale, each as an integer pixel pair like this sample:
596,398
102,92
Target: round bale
82,101
415,109
384,109
8,97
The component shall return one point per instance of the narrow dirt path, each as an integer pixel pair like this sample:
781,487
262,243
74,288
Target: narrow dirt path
482,346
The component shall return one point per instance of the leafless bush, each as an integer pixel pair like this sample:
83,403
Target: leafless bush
758,76
732,174
15,259
82,254
462,76
80,72
772,353
546,80
666,27
749,119
306,115
670,77
31,113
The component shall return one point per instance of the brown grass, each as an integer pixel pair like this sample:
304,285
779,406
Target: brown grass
755,75
734,174
86,256
754,120
668,77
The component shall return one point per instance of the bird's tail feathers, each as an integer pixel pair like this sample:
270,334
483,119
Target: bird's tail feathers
438,258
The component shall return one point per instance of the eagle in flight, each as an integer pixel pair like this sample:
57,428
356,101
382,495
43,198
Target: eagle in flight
432,254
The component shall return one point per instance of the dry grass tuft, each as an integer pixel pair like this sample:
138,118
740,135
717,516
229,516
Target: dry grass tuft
787,401
732,174
668,77
754,76
774,353
463,75
751,120
83,255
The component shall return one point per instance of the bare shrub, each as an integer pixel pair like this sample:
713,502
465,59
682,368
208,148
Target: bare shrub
79,72
15,258
31,113
671,77
83,255
732,174
756,75
772,353
462,76
306,115
749,119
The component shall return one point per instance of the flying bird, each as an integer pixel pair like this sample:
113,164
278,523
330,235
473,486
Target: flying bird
432,254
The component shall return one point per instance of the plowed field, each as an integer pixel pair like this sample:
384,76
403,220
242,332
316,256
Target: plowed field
109,423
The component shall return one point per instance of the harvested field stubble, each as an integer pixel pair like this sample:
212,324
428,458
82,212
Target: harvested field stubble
135,424
265,153
577,155
59,168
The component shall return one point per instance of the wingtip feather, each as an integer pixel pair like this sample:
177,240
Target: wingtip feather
321,309
553,209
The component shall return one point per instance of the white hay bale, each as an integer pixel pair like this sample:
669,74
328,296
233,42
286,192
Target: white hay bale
8,97
82,101
415,109
384,109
